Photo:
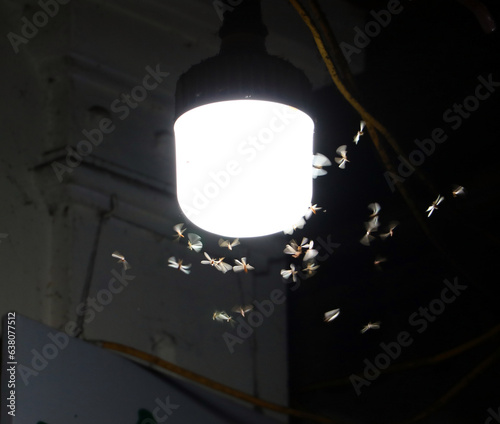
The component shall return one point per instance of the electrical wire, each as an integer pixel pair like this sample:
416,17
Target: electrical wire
405,366
373,125
197,378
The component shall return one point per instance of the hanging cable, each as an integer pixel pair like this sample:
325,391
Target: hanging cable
197,378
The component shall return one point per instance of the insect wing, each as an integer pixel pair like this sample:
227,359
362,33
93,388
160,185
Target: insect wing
223,267
342,150
289,250
331,315
310,254
320,160
375,208
172,262
186,268
118,255
223,243
318,172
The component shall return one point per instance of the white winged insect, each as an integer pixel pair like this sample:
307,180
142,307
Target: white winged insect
319,162
312,210
331,315
311,268
458,191
222,266
229,244
378,260
371,226
221,316
209,261
172,262
299,224
295,249
434,205
194,242
375,208
342,160
287,273
310,253
242,309
362,125
179,231
242,265
390,230
370,325
121,259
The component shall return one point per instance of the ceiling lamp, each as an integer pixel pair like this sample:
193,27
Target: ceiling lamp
243,139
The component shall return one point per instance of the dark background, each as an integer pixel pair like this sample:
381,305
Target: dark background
427,59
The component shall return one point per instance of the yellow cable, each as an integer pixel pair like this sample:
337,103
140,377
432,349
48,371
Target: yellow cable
197,378
372,125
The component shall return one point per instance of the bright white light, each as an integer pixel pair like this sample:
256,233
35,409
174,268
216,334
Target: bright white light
244,167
